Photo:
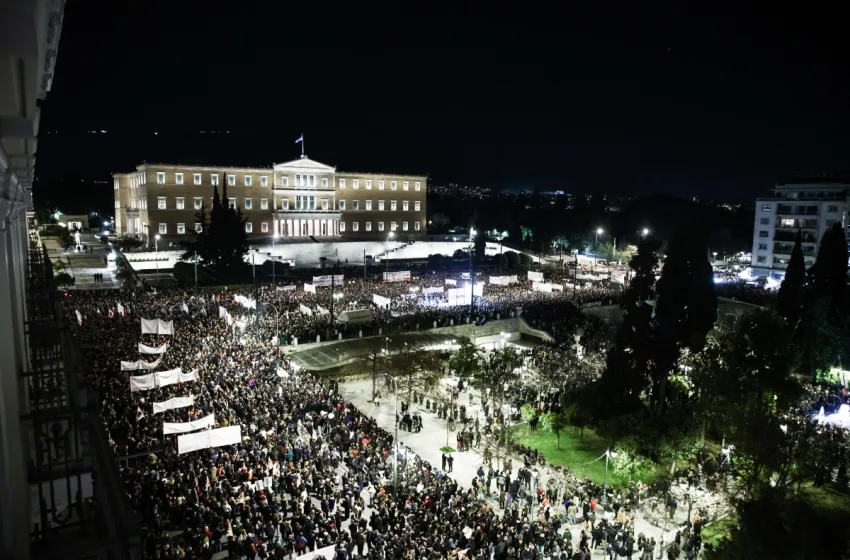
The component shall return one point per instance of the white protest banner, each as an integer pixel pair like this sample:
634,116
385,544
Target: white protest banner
142,382
618,277
451,282
245,301
169,428
143,349
186,377
166,378
211,438
288,288
464,275
380,301
79,318
138,364
305,310
337,279
170,404
535,276
321,310
165,328
222,312
397,276
157,326
458,296
121,309
309,288
478,290
503,280
437,290
185,309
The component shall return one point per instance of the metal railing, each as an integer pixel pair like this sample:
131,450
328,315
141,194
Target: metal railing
82,507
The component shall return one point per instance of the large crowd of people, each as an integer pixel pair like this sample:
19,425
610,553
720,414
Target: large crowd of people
313,472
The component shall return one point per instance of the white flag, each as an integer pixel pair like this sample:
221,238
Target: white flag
79,318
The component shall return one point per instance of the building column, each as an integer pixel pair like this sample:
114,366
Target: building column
302,228
15,505
276,227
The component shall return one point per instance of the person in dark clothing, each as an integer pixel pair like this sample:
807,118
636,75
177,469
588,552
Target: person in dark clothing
451,461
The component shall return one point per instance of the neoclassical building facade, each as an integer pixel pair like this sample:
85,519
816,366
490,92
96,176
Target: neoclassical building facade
297,199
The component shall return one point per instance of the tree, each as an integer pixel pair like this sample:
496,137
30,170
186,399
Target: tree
415,369
792,291
628,362
685,310
465,362
555,422
513,259
829,273
222,241
375,360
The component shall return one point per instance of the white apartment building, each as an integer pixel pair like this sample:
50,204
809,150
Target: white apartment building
808,205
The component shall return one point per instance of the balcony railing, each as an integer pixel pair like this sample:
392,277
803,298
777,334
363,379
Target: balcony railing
303,211
781,235
797,210
797,224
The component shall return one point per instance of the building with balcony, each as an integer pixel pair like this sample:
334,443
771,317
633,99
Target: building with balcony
809,206
297,199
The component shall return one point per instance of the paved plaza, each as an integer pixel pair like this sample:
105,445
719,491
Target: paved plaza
428,442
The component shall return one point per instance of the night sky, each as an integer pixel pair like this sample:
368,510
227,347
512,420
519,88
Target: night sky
613,102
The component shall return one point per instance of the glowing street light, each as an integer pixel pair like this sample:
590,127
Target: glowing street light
644,232
599,231
156,256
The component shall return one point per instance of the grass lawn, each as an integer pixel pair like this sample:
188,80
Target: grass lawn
574,453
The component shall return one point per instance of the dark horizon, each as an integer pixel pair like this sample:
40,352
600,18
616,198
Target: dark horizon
715,108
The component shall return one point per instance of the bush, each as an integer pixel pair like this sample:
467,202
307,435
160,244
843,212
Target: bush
629,462
64,279
528,412
58,265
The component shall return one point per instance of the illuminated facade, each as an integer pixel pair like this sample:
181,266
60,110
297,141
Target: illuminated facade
298,199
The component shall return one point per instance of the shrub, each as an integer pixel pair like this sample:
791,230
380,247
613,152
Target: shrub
64,279
629,462
58,265
528,412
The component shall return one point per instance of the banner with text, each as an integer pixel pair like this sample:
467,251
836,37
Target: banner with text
437,290
169,428
309,288
170,404
535,276
397,276
380,301
229,435
337,279
305,310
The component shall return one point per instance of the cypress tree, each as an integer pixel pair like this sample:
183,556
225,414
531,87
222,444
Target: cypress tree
792,291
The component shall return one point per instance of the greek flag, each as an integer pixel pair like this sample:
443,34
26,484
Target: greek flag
300,139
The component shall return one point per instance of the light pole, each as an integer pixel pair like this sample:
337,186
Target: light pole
613,454
276,329
274,238
256,295
395,453
599,231
156,257
644,232
390,235
471,274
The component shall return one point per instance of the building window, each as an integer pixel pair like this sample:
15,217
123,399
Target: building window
405,186
832,208
368,226
404,205
181,229
368,184
196,177
160,203
264,181
264,227
355,204
247,180
355,184
284,181
355,226
249,227
214,179
180,203
198,203
404,226
342,205
765,207
178,178
117,204
393,185
762,246
765,221
380,205
417,186
787,222
416,206
342,226
325,204
198,227
160,177
763,233
284,203
264,204
368,205
249,204
380,185
231,180
393,205
163,228
761,259
342,183
231,202
416,226
380,226
324,182
393,226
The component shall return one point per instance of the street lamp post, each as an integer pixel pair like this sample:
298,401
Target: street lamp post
274,238
599,232
276,329
256,294
471,274
395,453
156,257
612,454
390,235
